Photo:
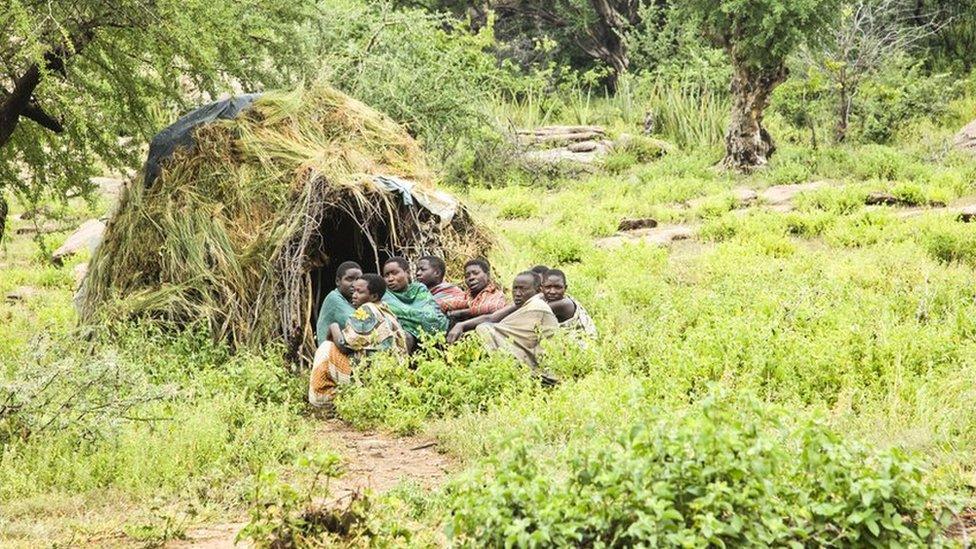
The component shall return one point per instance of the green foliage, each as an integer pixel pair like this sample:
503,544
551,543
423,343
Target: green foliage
282,515
368,49
719,474
897,97
155,415
437,383
126,66
619,161
762,32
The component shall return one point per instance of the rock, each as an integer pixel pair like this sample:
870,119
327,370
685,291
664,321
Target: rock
559,135
965,140
744,195
968,214
49,227
659,236
883,199
638,223
21,293
563,155
88,234
110,187
584,146
782,195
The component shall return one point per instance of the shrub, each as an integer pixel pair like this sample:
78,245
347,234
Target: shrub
643,148
519,208
879,162
440,382
715,476
619,161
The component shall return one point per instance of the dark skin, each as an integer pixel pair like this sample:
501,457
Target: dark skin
360,295
397,279
523,288
554,292
476,280
344,283
428,275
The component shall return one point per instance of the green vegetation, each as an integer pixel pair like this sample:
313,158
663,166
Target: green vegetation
794,373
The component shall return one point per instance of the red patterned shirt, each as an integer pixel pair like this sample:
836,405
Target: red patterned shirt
489,300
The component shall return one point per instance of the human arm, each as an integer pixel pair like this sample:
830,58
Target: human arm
564,309
458,330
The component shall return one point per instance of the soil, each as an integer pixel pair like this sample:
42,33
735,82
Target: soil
375,461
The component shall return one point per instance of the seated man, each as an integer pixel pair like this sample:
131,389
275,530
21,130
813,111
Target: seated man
411,302
570,314
519,328
483,296
430,273
337,305
372,327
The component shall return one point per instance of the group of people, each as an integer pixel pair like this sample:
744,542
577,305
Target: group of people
368,313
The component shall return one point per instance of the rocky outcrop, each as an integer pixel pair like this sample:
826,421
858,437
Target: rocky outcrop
965,140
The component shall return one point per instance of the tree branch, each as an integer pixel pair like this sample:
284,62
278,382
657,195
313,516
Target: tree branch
36,113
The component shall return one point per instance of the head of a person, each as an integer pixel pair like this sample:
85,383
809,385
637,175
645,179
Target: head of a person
477,275
430,270
396,272
346,273
368,288
525,285
540,270
554,285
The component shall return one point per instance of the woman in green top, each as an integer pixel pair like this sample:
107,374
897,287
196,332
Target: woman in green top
338,304
411,302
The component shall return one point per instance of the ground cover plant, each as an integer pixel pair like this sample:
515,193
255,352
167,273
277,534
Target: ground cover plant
795,373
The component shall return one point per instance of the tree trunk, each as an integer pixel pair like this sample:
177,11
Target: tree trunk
613,19
747,143
843,113
3,215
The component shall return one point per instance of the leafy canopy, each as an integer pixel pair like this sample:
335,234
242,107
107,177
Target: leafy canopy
83,82
761,33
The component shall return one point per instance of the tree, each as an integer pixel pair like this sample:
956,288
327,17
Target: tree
757,36
594,30
83,82
869,35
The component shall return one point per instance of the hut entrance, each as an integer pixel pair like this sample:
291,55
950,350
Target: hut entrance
344,240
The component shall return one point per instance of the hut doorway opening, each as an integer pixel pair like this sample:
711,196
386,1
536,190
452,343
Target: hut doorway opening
343,239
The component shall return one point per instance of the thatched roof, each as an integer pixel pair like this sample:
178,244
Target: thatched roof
235,228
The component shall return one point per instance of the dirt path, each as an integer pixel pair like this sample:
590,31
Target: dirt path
375,461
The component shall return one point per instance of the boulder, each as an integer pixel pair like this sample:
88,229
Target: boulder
109,187
658,236
89,235
21,293
783,195
965,140
636,223
967,214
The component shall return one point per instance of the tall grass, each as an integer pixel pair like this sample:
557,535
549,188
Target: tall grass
688,114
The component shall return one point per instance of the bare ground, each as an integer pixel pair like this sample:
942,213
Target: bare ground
375,461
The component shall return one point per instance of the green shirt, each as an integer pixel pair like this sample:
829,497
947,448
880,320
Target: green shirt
416,310
336,309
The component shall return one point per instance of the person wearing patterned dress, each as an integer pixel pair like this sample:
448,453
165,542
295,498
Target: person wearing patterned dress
371,328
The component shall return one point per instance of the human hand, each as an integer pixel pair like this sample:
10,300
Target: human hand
455,333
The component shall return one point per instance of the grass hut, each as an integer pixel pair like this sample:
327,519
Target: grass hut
244,227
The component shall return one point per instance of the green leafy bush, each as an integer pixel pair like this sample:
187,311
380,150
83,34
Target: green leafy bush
437,382
722,474
519,208
619,161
